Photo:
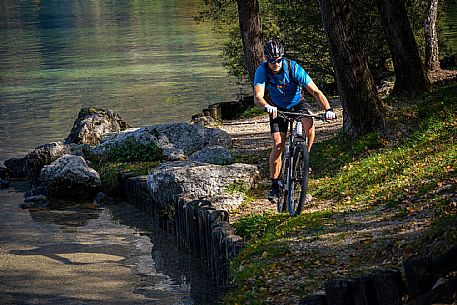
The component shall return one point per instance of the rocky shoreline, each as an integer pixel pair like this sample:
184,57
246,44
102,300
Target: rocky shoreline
195,183
191,185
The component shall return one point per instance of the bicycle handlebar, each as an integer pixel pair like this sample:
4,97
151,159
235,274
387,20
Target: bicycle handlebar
296,116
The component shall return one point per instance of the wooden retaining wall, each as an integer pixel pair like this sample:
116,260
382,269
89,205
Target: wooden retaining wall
197,226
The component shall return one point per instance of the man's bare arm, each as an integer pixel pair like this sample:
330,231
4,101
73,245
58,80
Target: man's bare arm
318,95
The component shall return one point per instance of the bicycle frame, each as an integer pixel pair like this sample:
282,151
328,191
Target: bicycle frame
294,138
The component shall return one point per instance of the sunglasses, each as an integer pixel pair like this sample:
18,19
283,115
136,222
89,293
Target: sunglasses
272,60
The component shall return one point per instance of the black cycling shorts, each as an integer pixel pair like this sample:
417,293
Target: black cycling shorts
281,125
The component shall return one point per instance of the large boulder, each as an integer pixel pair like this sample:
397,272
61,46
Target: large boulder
191,180
70,177
92,124
46,154
214,155
172,141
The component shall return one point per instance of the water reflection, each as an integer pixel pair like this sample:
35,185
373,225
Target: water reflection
168,259
95,243
72,216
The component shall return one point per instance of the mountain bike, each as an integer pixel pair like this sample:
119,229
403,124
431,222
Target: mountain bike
293,179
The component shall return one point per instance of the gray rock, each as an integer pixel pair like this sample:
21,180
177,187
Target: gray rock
226,201
214,155
4,173
36,198
70,177
46,154
35,192
35,202
41,156
175,141
16,166
103,199
193,180
92,124
204,121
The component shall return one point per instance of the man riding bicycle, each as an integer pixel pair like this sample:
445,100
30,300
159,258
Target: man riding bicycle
283,78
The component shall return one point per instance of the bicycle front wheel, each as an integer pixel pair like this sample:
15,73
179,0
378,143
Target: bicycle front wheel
282,200
298,183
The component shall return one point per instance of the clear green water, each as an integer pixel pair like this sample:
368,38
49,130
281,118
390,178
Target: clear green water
147,60
450,29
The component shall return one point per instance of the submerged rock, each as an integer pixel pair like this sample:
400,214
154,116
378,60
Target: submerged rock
102,199
70,177
35,202
4,184
92,124
193,180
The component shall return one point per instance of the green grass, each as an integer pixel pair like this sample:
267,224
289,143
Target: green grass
111,173
390,175
252,112
405,175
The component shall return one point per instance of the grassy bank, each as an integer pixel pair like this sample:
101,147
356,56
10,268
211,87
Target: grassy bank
378,200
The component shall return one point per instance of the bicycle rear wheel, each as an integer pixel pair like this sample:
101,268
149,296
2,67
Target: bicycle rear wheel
298,184
282,200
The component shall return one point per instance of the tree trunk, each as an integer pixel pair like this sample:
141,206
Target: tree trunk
361,103
410,76
251,34
432,60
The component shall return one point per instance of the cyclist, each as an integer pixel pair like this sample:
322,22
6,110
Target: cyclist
283,78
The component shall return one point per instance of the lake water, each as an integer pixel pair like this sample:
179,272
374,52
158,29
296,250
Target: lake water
147,60
81,254
150,62
450,29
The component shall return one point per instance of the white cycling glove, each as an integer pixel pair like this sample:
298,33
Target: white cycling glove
271,110
329,114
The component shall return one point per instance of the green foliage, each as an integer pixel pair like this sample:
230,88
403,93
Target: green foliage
251,112
88,111
237,187
111,173
133,151
269,227
331,155
298,25
386,175
269,245
243,189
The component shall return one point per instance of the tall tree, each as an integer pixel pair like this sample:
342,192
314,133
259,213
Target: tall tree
410,76
251,34
362,105
432,60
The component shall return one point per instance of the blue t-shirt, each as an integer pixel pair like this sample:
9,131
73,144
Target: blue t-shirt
284,93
